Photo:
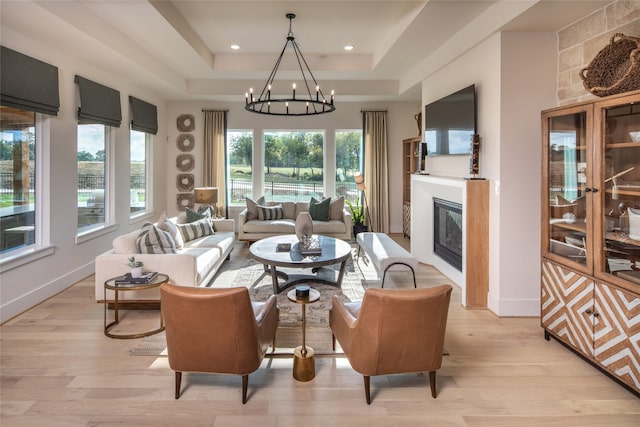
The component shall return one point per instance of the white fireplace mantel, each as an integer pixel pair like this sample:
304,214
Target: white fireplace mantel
473,195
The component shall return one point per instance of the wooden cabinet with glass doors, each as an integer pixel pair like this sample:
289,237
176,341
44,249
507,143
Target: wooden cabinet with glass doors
590,297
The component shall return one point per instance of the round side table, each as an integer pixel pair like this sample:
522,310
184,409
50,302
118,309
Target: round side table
124,287
304,368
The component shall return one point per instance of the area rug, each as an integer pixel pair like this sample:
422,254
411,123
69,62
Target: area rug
249,273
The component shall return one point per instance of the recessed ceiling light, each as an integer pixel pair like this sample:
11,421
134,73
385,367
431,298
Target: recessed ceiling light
235,46
349,47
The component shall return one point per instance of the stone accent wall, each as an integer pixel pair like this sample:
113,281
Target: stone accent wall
581,41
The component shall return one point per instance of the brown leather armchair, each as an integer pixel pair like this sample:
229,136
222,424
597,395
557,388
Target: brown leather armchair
393,331
217,331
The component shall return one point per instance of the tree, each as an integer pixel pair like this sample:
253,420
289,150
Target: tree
241,150
85,156
100,156
271,152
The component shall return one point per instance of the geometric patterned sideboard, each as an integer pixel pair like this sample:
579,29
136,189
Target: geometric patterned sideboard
599,321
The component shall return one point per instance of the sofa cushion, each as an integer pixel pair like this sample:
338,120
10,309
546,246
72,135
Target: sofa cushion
329,227
319,210
252,207
289,208
196,229
277,226
126,243
153,240
267,213
336,207
193,216
170,227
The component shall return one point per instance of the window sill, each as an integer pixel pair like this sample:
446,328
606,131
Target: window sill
20,257
141,216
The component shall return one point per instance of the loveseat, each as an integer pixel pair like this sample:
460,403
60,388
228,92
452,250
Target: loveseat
194,264
252,228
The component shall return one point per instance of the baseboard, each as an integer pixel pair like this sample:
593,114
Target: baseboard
27,301
514,307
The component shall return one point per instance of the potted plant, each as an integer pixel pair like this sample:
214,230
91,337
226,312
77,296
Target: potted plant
357,217
135,266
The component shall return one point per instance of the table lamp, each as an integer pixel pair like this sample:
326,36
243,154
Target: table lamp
207,196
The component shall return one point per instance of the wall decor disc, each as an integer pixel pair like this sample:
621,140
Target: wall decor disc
184,200
185,162
186,123
185,142
184,182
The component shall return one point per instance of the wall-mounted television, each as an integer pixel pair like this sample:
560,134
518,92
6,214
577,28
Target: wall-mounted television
450,123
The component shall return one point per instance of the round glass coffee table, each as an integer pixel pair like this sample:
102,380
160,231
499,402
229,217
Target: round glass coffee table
285,251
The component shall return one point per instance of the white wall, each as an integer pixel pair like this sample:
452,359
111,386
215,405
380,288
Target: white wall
401,125
515,78
29,284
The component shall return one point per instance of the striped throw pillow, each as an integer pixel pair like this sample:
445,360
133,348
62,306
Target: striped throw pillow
153,240
267,213
196,229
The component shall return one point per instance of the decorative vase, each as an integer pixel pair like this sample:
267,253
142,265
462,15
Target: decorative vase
304,225
359,229
136,272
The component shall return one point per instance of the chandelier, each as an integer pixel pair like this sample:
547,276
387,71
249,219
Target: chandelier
309,100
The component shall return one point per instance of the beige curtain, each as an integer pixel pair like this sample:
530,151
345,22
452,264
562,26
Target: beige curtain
376,173
215,123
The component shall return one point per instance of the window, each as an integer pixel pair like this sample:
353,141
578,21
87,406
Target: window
349,159
17,178
92,175
239,166
293,165
139,185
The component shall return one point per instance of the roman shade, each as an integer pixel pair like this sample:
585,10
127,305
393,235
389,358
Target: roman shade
28,83
144,116
98,103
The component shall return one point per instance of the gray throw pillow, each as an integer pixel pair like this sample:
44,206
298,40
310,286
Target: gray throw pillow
196,229
197,215
252,207
319,211
267,213
153,240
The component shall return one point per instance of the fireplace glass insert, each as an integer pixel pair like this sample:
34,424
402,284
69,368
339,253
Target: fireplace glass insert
447,231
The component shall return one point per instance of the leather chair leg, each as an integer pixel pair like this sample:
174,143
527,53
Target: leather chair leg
178,380
333,342
245,383
367,388
432,383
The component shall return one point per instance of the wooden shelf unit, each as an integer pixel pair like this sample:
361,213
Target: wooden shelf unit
410,154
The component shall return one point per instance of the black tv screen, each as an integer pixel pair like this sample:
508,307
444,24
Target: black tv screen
450,123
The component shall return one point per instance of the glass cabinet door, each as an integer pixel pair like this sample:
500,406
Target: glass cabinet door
567,163
618,213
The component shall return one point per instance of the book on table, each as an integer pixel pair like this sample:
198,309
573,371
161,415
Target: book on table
127,279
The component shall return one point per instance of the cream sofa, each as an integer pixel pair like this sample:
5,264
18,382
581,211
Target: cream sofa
194,265
252,229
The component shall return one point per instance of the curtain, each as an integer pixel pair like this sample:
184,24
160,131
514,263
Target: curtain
214,174
376,174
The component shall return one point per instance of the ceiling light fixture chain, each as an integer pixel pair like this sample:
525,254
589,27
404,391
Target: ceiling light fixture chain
306,105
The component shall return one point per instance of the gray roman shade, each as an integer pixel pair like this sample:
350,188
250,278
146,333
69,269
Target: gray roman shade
28,83
98,103
144,116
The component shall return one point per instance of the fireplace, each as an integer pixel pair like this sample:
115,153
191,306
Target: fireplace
447,231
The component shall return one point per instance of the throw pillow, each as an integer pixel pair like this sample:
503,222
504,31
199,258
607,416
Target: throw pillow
252,207
336,207
270,212
196,229
319,211
171,228
153,240
195,215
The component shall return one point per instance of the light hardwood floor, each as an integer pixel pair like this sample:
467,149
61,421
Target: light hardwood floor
58,369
